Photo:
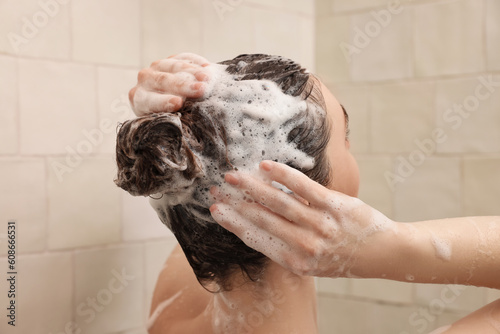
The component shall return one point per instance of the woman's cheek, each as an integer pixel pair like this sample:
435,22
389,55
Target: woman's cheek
355,177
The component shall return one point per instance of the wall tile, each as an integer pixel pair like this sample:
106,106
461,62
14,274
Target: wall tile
109,287
57,105
290,30
9,130
374,188
135,331
106,31
383,290
114,107
23,198
140,220
332,64
307,33
383,46
436,297
156,254
492,35
342,316
298,6
399,319
481,191
437,180
448,318
492,295
467,109
354,316
324,8
337,286
84,208
228,35
342,6
355,100
171,27
401,114
302,6
44,286
275,4
35,28
446,38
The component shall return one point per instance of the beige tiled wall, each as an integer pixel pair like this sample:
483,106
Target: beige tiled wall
433,68
64,85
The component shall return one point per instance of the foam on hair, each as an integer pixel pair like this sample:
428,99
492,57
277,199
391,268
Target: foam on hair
167,162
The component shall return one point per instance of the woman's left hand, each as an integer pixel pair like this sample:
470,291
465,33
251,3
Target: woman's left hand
321,233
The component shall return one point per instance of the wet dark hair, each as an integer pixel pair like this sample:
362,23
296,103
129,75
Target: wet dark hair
159,153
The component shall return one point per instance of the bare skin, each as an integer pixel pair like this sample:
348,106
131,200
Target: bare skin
321,232
281,303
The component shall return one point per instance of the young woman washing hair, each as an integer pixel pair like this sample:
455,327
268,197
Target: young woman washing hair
323,232
256,107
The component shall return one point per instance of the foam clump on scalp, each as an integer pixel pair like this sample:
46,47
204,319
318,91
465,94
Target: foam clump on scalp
257,118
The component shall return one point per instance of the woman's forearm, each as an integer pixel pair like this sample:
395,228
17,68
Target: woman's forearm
457,250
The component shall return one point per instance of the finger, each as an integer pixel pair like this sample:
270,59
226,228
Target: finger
219,196
296,181
276,200
176,66
259,239
147,102
153,102
181,84
196,59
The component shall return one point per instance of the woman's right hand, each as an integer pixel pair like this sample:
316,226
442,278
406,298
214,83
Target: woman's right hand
164,86
319,232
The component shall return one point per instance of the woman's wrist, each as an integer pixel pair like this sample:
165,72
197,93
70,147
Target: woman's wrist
411,256
381,254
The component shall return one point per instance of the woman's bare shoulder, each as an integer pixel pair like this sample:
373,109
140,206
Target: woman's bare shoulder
178,297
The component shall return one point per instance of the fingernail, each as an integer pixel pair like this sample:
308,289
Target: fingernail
176,102
213,208
200,76
205,65
196,86
213,190
232,179
266,166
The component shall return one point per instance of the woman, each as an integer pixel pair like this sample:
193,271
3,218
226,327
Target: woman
459,250
257,107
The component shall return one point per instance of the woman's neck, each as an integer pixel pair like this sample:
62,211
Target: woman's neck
280,300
